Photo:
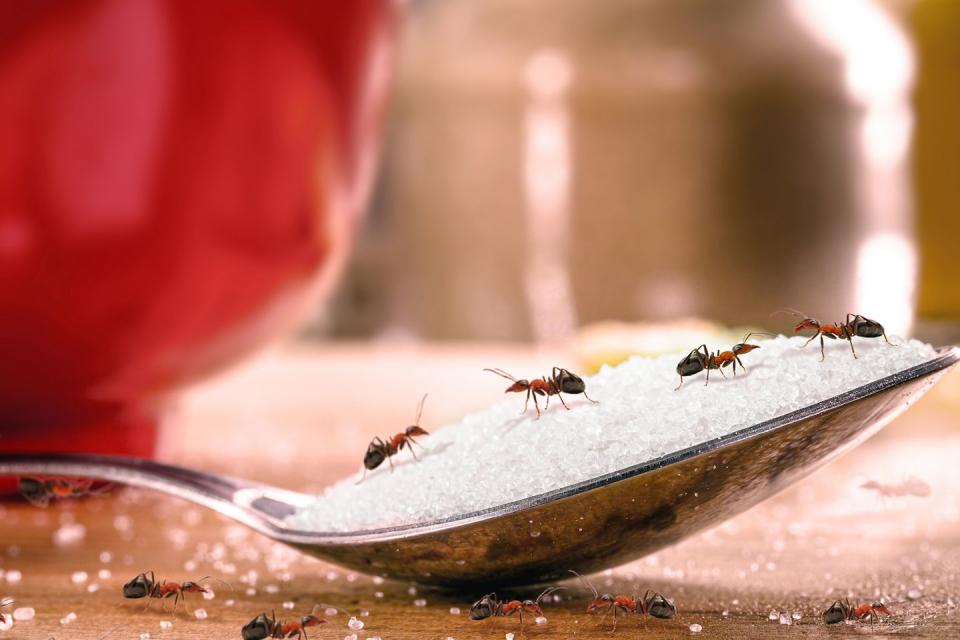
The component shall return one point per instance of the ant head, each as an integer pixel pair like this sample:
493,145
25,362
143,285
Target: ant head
660,607
879,607
139,587
483,608
415,430
311,621
569,382
532,607
692,363
376,454
836,613
193,587
257,629
806,323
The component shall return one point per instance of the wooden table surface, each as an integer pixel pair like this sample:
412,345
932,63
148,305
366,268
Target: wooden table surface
301,418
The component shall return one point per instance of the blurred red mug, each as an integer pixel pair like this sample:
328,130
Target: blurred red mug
177,182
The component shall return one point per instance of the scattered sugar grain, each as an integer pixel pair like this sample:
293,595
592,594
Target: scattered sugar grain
540,620
200,614
209,594
330,611
785,619
354,624
104,574
637,402
69,534
22,614
508,636
166,624
796,615
288,605
144,636
774,615
455,611
352,636
79,577
67,619
6,624
230,602
696,628
378,594
13,576
420,602
93,587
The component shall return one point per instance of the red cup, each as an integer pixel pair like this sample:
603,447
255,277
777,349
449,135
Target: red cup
178,180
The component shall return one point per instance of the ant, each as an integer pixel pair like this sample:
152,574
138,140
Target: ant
559,381
842,610
144,587
652,603
489,606
6,602
40,491
855,325
701,358
380,449
263,627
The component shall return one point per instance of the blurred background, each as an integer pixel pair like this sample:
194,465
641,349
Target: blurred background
547,167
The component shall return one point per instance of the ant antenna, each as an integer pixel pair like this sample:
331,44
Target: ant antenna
596,594
547,592
502,374
756,333
224,582
791,311
420,409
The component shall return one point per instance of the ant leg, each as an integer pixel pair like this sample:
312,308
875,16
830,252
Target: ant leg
536,405
823,355
850,340
736,359
679,385
562,402
708,377
595,402
811,339
888,340
526,403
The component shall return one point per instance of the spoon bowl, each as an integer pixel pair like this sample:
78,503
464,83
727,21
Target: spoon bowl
588,526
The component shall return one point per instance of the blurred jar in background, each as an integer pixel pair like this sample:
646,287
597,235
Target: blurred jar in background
177,181
936,28
555,164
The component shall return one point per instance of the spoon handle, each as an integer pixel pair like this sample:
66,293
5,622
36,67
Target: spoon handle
258,506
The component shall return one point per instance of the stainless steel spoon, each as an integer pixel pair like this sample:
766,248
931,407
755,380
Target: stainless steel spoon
591,525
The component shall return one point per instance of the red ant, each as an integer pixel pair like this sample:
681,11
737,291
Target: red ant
144,587
6,602
842,610
263,627
701,358
380,450
652,603
559,381
489,606
40,491
855,325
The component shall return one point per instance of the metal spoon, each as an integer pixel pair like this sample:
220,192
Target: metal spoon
591,525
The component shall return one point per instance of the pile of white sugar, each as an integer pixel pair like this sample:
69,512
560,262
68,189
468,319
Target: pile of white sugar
497,456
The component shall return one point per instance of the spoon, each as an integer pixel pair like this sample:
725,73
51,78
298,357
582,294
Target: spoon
591,525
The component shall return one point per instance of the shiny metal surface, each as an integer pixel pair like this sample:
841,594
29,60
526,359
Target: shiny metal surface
588,526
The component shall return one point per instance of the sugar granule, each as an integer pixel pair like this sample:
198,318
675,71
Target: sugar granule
640,417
